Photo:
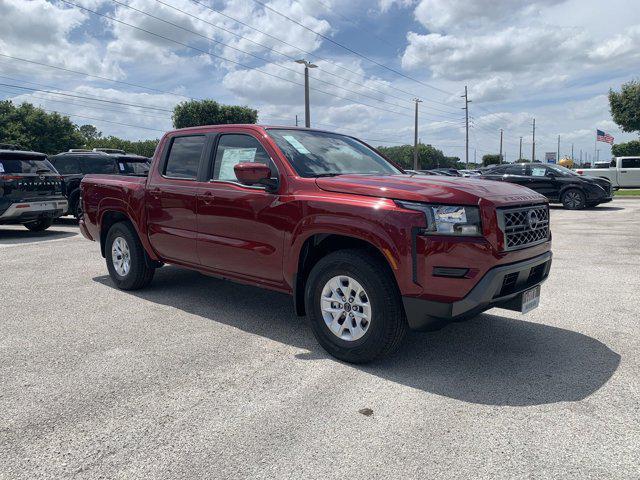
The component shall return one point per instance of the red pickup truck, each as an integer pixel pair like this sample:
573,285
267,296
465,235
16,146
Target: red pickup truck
366,250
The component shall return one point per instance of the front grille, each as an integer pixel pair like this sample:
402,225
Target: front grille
524,226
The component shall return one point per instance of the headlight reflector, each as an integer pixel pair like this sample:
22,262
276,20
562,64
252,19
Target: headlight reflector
448,219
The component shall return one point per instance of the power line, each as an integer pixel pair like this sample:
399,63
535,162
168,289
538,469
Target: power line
386,110
83,97
267,7
249,53
68,70
101,108
318,57
102,120
290,57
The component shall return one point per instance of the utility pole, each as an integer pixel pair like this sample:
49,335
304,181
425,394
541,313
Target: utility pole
500,145
307,113
466,122
296,119
415,136
558,157
533,143
572,152
580,157
520,157
474,158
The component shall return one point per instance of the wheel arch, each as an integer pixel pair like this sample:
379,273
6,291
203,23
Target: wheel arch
319,244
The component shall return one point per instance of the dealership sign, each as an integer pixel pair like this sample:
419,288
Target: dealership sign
550,157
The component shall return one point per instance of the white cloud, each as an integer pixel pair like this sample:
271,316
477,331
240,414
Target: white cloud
441,15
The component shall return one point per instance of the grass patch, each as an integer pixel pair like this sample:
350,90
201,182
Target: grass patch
627,192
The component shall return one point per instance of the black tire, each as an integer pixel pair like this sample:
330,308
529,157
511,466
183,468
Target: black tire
39,225
574,199
139,274
388,324
73,206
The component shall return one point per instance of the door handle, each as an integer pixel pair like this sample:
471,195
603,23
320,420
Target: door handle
623,171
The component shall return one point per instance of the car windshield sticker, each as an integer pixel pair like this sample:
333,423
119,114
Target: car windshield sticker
296,144
231,157
121,165
1,168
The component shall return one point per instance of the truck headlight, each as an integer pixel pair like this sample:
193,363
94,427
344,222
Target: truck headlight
448,219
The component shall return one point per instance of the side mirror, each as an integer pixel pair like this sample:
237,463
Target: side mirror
253,173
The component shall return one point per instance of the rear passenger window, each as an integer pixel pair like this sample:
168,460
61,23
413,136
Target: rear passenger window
630,163
184,157
234,149
538,171
515,170
67,166
97,164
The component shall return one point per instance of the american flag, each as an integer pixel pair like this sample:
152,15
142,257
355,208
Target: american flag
604,137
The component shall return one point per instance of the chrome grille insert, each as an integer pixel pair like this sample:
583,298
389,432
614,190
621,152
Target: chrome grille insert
524,226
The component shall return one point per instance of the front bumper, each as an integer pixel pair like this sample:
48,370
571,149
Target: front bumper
500,287
23,212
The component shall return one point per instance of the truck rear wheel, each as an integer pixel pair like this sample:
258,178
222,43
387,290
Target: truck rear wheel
39,225
125,257
354,306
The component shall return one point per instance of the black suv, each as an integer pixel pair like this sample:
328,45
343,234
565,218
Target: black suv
30,189
557,183
75,164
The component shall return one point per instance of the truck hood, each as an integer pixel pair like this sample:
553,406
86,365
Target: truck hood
419,188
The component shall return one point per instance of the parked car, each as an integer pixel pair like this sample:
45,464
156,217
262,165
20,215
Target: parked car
557,183
437,173
448,171
75,164
470,173
366,251
30,189
622,172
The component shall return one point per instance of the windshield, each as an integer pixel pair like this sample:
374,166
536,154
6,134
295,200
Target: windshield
314,154
562,171
26,165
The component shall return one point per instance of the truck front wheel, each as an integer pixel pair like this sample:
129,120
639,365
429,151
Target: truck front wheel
125,258
354,306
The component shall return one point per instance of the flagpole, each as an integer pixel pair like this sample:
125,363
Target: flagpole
595,149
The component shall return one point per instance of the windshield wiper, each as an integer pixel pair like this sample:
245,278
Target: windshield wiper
320,175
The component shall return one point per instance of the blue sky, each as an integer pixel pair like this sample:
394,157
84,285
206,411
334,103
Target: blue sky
554,60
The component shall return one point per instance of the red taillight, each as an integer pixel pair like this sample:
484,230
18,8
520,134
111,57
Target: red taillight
22,205
10,177
579,172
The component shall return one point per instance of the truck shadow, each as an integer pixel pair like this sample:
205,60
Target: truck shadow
491,360
17,234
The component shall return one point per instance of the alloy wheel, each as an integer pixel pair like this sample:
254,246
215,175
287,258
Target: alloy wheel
346,308
121,256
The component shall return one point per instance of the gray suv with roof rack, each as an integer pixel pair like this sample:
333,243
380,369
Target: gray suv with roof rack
31,190
76,163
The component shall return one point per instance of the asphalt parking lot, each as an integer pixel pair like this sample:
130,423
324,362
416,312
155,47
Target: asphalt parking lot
200,378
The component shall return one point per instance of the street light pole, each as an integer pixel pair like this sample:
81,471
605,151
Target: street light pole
466,123
307,112
415,136
500,145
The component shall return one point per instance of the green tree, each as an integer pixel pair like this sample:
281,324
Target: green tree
35,129
625,106
193,113
628,149
140,147
490,159
428,156
89,132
